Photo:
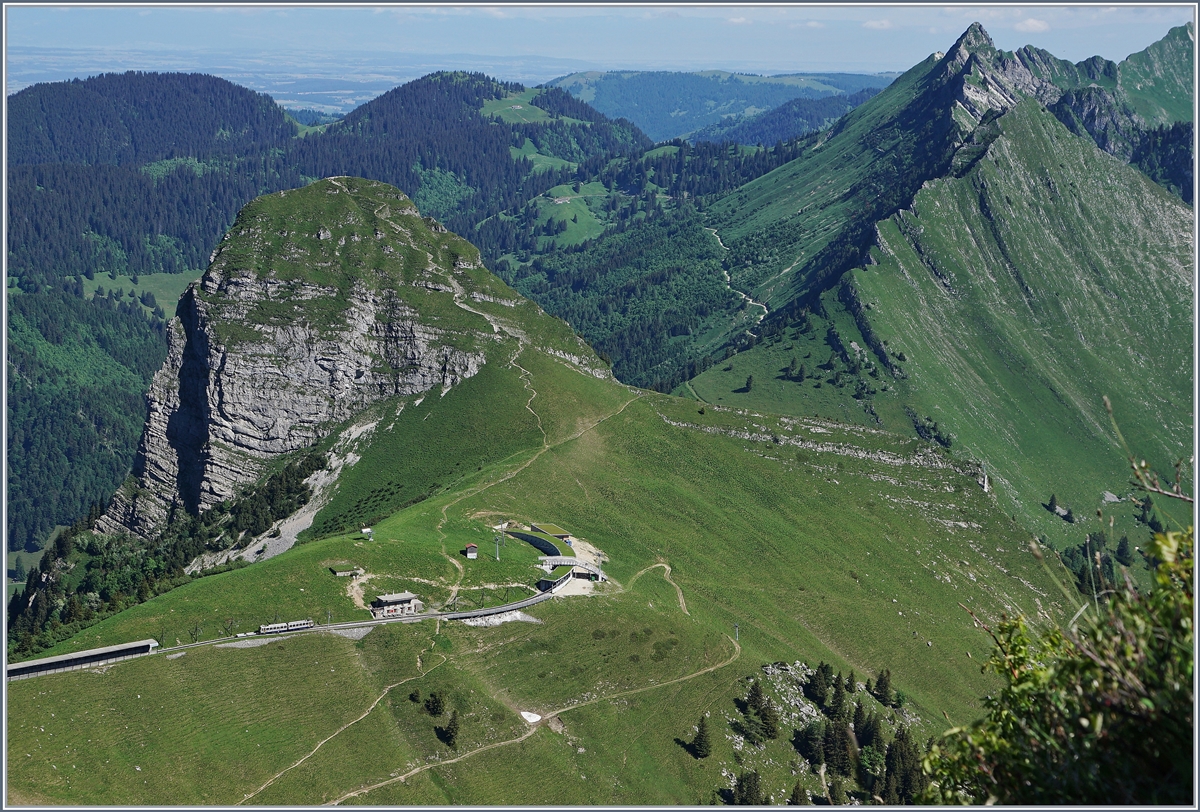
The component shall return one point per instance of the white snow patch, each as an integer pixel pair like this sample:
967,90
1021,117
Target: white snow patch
531,718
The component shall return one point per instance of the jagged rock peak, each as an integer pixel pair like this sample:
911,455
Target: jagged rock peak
319,302
974,39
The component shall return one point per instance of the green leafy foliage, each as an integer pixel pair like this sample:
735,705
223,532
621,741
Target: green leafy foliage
1098,713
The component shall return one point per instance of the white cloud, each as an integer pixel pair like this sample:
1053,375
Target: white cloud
1032,26
814,24
738,20
878,25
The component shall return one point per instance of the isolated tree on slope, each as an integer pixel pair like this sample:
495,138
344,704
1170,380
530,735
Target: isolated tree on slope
702,744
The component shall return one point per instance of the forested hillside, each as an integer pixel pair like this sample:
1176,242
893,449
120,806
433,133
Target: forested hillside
136,118
785,122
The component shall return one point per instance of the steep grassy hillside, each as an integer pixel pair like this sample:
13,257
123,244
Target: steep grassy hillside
1075,283
732,539
1003,305
1157,79
787,231
844,545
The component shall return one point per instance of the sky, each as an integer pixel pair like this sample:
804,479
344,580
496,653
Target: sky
557,39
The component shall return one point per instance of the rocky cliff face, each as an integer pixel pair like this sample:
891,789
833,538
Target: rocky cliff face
312,308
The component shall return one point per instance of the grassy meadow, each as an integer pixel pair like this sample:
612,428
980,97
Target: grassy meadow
819,540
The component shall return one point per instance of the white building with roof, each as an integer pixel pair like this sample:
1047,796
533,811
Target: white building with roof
396,604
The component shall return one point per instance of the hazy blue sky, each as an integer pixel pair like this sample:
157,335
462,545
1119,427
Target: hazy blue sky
764,39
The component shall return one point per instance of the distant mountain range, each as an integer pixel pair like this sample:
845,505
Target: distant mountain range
576,209
672,104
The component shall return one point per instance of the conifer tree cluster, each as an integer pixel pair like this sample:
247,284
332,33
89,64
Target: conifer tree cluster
748,790
761,719
851,740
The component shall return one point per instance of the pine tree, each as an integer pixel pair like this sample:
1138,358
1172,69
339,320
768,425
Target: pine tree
770,719
799,796
836,794
837,705
702,744
817,687
851,683
452,730
21,572
752,726
860,722
748,790
435,705
749,382
883,687
1124,553
809,742
801,373
1053,504
754,697
903,763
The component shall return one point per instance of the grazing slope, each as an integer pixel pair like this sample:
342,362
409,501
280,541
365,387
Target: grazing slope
1075,283
820,541
1029,276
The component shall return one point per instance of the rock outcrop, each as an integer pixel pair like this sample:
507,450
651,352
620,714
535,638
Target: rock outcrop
295,327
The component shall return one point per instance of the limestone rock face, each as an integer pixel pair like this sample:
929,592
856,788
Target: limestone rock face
265,360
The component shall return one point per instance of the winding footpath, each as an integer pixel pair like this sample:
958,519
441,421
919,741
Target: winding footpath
737,652
341,729
667,575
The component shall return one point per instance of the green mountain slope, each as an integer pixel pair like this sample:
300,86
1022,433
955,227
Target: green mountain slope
191,151
1075,283
785,122
1003,305
1156,79
794,230
731,539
